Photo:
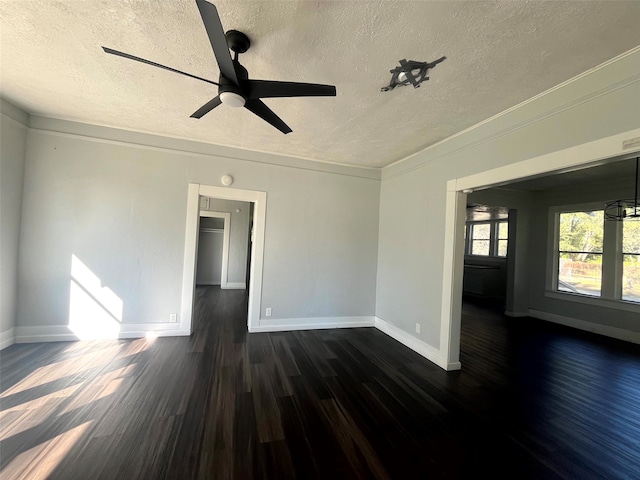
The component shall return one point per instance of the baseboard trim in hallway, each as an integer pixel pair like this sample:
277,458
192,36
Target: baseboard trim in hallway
317,323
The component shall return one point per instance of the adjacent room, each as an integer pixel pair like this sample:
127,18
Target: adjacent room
340,239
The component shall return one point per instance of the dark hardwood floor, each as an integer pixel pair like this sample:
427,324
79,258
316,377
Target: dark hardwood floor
533,400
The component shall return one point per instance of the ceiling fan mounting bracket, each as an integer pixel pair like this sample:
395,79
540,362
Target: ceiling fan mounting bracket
238,42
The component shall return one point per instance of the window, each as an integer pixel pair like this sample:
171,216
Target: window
480,238
631,261
503,238
580,252
487,238
594,257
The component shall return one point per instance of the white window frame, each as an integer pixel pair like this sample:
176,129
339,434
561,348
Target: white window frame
493,237
612,261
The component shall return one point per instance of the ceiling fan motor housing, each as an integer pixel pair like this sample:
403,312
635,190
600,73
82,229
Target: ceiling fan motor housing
227,85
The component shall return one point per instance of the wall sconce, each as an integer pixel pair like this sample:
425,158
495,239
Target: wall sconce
226,180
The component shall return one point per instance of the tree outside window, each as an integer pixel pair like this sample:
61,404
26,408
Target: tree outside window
580,252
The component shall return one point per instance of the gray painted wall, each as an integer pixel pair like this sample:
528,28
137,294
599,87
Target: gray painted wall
13,134
413,193
238,236
120,207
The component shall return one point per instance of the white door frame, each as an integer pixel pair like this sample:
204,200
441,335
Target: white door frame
191,247
574,158
224,273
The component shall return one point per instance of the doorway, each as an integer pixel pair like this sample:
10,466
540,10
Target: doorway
574,158
486,253
259,200
212,264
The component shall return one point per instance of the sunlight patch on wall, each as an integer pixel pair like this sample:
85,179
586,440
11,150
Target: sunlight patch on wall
95,312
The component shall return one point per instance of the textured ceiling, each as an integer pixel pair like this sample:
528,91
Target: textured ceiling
499,54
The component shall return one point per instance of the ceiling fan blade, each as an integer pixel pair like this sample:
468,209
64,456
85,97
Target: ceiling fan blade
407,72
148,62
207,107
212,24
260,109
270,89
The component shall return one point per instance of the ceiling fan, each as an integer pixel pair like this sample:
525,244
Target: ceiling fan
235,89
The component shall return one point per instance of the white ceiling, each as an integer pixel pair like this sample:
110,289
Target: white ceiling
499,54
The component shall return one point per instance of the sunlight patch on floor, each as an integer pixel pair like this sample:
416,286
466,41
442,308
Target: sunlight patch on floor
64,368
31,413
40,462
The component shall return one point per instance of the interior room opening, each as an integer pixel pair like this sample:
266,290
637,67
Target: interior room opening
224,242
529,195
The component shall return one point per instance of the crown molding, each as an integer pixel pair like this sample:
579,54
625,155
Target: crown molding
62,127
9,110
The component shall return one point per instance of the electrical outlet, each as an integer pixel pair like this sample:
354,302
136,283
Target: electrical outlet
268,312
173,317
417,328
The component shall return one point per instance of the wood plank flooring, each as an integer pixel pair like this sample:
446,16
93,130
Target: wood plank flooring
533,400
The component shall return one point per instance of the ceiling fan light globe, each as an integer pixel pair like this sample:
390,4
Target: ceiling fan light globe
232,99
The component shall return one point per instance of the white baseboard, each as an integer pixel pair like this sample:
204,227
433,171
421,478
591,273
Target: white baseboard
62,333
46,333
139,330
234,286
516,314
427,351
158,333
7,338
287,324
606,330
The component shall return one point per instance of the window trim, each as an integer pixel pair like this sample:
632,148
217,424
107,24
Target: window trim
612,261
